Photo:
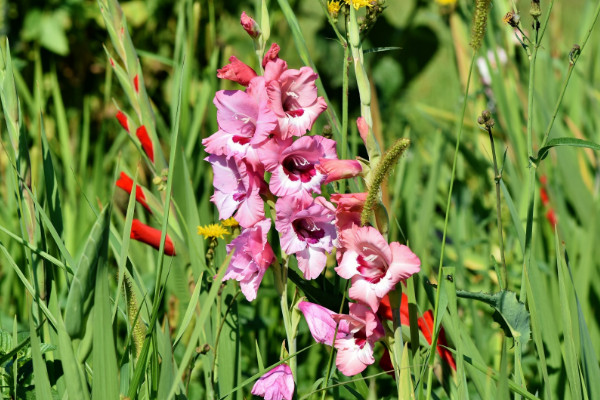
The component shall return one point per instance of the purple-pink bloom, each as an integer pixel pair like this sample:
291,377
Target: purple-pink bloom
276,384
237,187
321,324
252,255
334,170
374,266
293,165
306,230
250,25
245,122
355,349
236,71
293,97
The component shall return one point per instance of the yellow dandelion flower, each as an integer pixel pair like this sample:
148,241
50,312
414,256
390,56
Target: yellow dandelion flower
359,3
229,222
333,7
213,231
446,2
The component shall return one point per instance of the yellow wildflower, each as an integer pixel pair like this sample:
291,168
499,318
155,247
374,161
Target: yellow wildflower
230,222
333,7
446,2
359,3
213,231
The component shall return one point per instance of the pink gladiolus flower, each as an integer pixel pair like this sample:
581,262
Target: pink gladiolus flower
251,258
374,266
306,230
126,183
338,169
355,349
321,324
293,97
293,165
349,208
250,25
236,71
277,384
245,122
237,187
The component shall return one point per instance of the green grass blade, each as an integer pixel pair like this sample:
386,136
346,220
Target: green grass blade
40,373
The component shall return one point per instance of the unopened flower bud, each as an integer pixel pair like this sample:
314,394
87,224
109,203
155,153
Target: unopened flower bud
535,11
250,25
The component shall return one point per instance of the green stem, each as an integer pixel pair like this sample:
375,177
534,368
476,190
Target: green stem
448,203
497,179
345,72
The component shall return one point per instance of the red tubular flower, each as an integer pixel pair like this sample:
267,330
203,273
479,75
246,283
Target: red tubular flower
551,217
126,183
425,325
236,71
136,83
150,236
122,118
142,135
544,196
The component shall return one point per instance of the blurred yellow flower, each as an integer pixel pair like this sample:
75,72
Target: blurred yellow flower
333,7
446,2
229,222
359,3
213,231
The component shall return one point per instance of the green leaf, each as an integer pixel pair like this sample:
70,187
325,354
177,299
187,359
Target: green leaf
52,34
564,141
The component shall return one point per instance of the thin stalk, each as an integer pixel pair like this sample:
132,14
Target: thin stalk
572,62
497,179
332,22
344,132
448,203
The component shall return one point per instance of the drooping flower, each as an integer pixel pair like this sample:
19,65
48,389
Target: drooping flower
293,97
237,188
277,384
321,324
245,122
355,349
150,236
251,258
236,71
250,25
293,165
374,266
306,230
334,170
213,231
126,183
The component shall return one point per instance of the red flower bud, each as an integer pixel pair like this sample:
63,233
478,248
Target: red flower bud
126,183
236,71
271,55
150,236
136,83
250,25
338,169
363,128
122,118
146,142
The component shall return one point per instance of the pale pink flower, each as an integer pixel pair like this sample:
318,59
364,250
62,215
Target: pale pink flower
307,230
348,210
277,384
374,266
293,165
251,258
338,169
293,97
237,187
250,25
355,349
245,122
236,71
321,324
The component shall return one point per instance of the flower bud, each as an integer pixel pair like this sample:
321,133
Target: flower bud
236,71
250,25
